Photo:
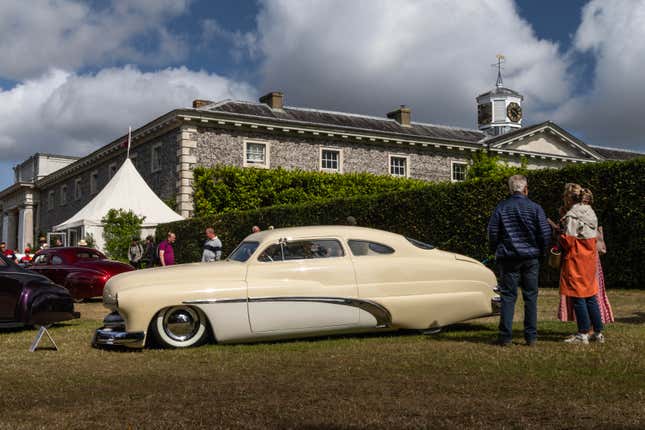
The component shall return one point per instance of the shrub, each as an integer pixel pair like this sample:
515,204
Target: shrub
226,188
454,217
119,227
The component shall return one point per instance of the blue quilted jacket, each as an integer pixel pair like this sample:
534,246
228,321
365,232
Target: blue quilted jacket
518,229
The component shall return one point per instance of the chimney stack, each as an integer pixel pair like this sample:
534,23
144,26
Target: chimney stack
401,115
274,100
198,103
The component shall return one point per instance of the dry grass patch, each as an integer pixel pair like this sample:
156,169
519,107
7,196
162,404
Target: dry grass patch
451,380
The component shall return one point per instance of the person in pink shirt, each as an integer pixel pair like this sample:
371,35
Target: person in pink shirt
166,251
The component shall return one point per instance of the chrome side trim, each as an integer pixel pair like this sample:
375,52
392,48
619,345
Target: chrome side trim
378,311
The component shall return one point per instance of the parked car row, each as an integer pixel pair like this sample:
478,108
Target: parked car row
282,283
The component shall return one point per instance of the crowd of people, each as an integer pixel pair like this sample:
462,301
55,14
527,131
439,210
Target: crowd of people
519,234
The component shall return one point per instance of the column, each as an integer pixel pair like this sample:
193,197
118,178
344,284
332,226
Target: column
5,226
12,221
186,160
25,227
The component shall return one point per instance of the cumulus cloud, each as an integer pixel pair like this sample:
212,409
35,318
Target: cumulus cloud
610,114
371,56
66,34
68,113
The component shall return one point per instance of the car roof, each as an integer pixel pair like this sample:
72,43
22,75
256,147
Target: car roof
343,231
67,250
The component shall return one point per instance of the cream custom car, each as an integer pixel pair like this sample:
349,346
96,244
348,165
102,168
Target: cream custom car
298,282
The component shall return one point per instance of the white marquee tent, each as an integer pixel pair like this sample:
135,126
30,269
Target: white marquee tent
126,190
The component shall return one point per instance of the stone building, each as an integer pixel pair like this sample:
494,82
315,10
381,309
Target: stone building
269,134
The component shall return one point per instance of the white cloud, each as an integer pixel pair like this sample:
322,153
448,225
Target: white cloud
66,113
66,34
435,56
610,114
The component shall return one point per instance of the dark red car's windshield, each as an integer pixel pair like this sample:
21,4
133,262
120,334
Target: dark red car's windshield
89,255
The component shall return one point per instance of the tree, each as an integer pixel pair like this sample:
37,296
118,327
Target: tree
119,228
490,166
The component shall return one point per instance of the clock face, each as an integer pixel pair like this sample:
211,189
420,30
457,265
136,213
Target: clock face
484,113
514,112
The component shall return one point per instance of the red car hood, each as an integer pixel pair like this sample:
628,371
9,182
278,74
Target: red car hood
108,266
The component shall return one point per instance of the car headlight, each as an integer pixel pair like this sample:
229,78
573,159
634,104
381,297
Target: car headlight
110,299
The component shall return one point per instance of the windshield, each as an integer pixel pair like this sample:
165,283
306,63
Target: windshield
243,251
419,244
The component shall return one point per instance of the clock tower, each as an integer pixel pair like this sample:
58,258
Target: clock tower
499,110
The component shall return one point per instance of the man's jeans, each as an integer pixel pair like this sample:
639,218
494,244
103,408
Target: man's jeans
584,309
523,274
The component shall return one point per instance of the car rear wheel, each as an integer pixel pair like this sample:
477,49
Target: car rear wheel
180,327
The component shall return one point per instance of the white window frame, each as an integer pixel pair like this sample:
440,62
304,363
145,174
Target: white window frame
340,159
51,200
63,195
110,167
154,148
407,165
94,182
452,170
78,191
267,159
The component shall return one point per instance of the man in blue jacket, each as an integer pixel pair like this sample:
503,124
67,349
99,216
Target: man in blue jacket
518,233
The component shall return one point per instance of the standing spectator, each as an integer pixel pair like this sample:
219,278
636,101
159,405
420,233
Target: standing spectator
3,248
212,247
42,241
26,259
135,253
166,251
579,273
58,243
518,233
255,229
149,252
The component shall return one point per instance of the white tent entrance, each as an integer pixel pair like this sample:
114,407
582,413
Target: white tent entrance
126,190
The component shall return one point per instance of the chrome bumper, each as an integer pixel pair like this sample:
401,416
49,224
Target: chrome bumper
496,305
111,336
113,333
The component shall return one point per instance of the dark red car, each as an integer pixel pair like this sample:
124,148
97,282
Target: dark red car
83,271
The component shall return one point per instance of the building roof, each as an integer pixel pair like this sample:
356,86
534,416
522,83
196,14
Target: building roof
617,154
501,91
346,120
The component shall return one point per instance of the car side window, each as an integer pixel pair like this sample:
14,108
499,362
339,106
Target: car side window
40,260
86,255
57,260
302,250
365,247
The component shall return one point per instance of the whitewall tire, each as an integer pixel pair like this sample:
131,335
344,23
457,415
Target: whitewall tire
180,327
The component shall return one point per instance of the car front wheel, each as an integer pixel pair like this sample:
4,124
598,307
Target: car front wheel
180,327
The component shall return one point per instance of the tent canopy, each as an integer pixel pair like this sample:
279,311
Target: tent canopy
126,190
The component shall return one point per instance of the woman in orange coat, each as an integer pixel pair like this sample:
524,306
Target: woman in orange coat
578,278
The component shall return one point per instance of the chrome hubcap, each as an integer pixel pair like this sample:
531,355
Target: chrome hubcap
181,323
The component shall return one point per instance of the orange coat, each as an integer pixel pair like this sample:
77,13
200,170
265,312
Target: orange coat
578,274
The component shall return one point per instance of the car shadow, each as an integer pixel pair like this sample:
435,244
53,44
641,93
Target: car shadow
636,318
477,333
20,329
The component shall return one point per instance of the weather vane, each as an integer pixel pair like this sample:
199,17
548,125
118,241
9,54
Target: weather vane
500,60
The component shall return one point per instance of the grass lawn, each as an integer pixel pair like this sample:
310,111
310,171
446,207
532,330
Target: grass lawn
455,379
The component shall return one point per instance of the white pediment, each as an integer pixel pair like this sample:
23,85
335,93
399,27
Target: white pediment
547,142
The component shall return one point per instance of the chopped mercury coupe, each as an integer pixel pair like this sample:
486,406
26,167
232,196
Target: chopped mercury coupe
297,282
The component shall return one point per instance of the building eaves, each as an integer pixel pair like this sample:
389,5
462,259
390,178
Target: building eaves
14,188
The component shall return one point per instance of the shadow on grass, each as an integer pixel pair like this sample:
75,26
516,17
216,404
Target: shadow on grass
477,333
19,329
637,318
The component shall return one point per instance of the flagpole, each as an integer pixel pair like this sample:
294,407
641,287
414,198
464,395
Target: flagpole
129,140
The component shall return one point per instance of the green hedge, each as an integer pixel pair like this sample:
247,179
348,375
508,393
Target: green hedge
226,188
454,216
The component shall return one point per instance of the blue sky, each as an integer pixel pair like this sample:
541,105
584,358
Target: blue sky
76,74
